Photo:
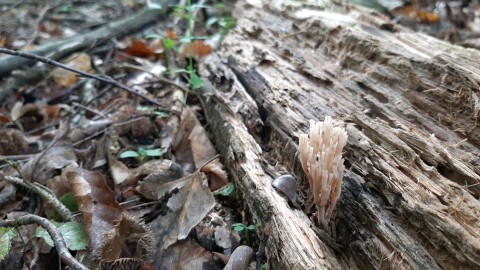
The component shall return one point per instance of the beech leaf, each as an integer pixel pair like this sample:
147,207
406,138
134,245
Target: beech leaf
6,235
73,234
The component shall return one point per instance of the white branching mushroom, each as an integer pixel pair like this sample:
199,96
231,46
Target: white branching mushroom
321,158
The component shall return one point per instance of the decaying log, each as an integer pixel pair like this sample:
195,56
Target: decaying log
410,104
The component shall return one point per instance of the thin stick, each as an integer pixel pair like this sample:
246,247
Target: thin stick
46,194
157,77
105,79
57,238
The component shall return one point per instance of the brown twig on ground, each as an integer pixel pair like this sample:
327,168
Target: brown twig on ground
104,79
57,238
46,194
158,78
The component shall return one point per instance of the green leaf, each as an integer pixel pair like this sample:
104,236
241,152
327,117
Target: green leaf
185,39
227,23
200,38
6,235
67,9
68,199
129,154
227,190
143,108
74,235
153,5
252,227
181,70
239,229
141,152
195,81
154,152
195,6
162,114
156,36
211,21
168,43
219,5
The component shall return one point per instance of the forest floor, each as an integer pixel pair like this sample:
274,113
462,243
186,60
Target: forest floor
113,154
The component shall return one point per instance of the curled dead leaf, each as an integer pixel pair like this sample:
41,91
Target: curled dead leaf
188,207
193,146
67,78
48,164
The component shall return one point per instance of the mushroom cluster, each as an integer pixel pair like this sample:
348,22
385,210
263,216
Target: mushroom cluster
321,158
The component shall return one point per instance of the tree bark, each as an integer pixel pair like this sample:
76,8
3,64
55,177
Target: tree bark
410,194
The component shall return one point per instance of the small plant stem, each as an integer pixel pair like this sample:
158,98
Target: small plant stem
190,36
190,56
46,194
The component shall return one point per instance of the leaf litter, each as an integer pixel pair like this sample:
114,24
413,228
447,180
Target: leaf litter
138,178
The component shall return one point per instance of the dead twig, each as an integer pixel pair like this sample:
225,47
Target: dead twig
46,194
105,79
57,238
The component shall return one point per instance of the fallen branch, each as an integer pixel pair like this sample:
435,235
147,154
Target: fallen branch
57,238
105,79
69,45
61,48
46,194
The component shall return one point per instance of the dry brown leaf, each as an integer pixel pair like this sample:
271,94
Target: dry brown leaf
140,49
192,145
175,257
67,78
55,111
30,115
5,119
112,232
159,177
198,48
89,127
97,201
156,190
171,34
118,170
188,207
59,184
48,164
16,111
12,142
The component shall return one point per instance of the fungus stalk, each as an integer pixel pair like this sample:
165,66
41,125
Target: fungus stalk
322,162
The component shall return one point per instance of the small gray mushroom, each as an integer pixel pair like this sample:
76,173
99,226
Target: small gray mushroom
285,185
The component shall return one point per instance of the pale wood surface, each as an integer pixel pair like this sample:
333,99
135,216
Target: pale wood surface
410,197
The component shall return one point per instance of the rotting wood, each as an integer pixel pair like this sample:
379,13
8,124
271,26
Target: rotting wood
410,197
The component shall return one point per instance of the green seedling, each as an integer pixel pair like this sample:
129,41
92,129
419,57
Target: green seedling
6,235
226,191
187,12
240,227
142,153
195,80
150,110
